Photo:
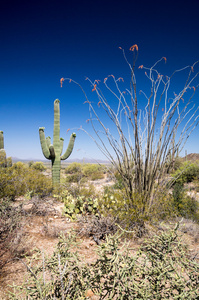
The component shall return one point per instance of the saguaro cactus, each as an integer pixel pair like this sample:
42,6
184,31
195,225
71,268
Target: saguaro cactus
2,151
1,140
54,151
3,161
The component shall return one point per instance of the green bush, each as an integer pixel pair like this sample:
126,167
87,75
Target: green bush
73,168
9,161
119,184
2,158
37,166
115,203
184,205
93,171
160,269
5,162
75,177
172,164
186,173
76,172
20,180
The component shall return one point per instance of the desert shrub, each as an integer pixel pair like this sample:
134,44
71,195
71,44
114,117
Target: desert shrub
10,224
73,168
75,190
3,163
161,269
38,166
20,180
97,227
38,184
65,270
119,183
172,164
87,191
75,178
132,217
178,162
93,171
12,182
183,204
9,161
186,173
115,203
76,172
196,185
178,195
162,208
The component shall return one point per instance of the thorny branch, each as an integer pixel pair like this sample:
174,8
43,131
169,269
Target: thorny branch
148,137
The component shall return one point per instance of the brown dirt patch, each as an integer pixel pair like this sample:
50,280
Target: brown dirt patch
42,224
41,231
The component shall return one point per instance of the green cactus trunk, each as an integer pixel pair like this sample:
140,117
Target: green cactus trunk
1,140
56,162
3,161
53,152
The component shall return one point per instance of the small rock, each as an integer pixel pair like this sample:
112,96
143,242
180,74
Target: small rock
89,293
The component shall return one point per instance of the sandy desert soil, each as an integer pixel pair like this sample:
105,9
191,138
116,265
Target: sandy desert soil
41,225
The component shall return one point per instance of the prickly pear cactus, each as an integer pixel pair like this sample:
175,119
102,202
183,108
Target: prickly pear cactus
53,151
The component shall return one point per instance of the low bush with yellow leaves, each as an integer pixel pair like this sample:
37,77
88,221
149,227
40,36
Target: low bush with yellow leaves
20,180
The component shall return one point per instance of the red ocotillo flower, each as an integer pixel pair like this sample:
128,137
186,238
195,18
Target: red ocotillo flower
61,81
134,47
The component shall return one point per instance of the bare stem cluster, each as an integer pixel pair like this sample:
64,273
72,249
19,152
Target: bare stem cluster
150,127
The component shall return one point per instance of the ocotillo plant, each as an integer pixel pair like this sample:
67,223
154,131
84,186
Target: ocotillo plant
54,151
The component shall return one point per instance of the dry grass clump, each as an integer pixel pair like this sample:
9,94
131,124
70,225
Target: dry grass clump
96,227
41,207
12,242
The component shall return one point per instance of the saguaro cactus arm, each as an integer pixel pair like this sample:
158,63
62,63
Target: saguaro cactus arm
48,141
61,145
44,145
70,147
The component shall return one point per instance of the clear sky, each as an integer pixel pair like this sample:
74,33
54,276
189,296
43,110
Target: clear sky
43,41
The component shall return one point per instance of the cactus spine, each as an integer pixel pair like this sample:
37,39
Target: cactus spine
54,151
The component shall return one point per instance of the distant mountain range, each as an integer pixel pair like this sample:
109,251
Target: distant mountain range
68,161
190,157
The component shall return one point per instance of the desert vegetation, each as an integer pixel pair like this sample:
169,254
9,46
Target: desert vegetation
125,230
130,260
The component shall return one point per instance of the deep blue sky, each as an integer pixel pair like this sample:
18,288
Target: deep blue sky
42,41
